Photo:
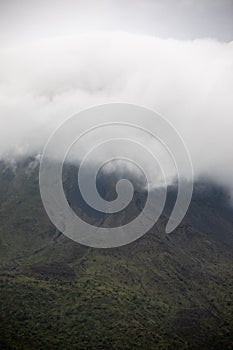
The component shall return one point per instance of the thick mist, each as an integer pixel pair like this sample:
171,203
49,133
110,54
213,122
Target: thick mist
189,82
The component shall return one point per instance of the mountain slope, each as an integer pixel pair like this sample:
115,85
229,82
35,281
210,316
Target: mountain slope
161,292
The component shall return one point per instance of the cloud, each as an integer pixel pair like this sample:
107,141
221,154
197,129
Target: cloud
189,82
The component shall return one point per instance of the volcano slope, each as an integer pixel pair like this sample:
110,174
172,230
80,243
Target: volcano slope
163,291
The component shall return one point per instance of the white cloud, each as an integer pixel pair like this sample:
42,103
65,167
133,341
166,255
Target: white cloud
190,82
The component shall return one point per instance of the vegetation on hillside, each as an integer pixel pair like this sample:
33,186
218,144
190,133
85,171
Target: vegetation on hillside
161,292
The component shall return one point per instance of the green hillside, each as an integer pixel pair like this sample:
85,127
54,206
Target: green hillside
170,291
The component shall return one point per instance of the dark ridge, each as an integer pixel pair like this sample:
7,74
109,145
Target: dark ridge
160,292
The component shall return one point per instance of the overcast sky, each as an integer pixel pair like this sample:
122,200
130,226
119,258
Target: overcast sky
23,20
48,72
